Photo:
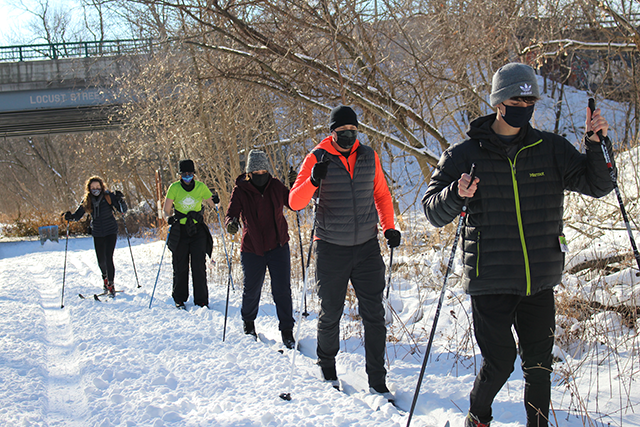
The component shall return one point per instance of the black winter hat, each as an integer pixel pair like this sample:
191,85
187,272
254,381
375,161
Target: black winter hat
187,166
342,115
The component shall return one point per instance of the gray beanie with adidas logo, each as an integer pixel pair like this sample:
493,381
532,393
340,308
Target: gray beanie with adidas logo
513,80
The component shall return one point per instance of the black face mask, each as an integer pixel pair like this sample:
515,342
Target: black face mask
346,138
517,117
260,180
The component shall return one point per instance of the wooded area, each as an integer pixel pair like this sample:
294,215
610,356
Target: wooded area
230,76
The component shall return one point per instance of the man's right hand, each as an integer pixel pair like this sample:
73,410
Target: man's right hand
464,189
233,226
171,220
68,216
319,171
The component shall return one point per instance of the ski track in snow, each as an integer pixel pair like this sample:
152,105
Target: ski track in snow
67,404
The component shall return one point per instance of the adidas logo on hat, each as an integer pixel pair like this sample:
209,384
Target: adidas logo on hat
526,89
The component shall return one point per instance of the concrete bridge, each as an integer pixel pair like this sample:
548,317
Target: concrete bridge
62,88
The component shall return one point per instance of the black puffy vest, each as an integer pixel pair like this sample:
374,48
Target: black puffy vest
347,214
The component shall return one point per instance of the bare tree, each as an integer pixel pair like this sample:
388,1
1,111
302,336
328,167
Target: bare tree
406,66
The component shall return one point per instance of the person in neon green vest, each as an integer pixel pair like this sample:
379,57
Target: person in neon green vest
189,238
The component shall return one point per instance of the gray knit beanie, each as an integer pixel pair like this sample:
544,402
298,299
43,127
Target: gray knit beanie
257,161
513,80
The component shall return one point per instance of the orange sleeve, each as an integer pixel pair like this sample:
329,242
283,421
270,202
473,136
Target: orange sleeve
302,190
382,198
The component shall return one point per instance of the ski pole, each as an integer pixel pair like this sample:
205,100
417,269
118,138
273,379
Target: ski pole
226,304
64,271
389,276
388,313
124,222
160,266
230,281
612,174
463,214
305,275
305,313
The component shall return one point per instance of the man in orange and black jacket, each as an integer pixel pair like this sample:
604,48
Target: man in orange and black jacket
352,194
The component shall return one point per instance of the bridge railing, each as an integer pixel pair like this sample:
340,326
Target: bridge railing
38,52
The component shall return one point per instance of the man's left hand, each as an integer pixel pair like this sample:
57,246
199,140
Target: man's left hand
393,237
595,122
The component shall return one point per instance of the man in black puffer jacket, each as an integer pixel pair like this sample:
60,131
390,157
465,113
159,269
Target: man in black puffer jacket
513,256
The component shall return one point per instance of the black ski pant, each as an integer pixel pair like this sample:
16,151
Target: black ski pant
105,246
533,318
254,268
190,248
363,265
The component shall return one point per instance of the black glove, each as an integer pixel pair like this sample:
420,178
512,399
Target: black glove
68,216
393,237
215,198
172,220
119,194
233,226
292,177
319,171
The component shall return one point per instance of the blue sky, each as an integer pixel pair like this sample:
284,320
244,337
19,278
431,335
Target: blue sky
12,22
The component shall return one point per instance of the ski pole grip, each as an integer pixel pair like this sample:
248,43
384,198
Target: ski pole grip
472,172
592,108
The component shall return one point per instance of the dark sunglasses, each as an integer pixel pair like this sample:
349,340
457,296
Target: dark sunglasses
186,174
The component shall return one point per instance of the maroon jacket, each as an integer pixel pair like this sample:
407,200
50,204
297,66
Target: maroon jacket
264,226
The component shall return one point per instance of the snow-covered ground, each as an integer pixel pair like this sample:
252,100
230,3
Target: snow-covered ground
121,363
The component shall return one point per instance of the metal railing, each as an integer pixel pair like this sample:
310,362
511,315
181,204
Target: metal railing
39,52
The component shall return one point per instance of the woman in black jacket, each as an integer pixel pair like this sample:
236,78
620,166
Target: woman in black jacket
99,203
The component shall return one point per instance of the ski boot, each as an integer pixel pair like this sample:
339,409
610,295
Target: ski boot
250,329
109,288
287,338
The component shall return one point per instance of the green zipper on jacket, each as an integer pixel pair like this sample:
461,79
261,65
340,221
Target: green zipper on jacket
527,267
478,256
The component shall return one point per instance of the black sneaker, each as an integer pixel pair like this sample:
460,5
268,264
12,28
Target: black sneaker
329,374
250,328
180,306
287,338
383,391
473,421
